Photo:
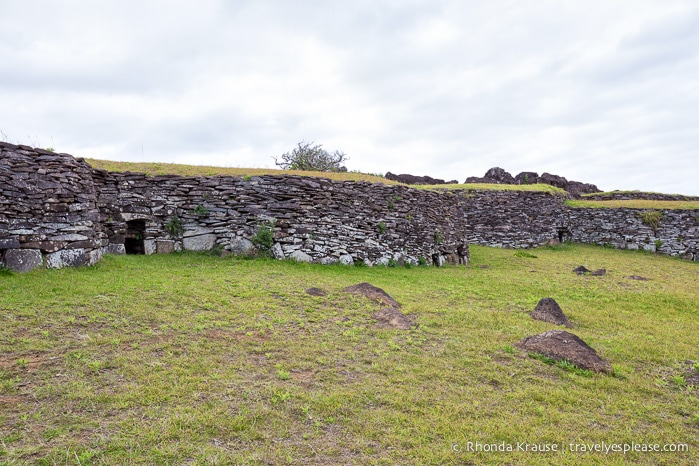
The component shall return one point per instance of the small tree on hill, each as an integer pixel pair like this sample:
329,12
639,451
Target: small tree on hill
307,156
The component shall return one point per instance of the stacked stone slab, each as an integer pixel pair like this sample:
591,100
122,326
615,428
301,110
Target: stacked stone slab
313,219
57,211
48,213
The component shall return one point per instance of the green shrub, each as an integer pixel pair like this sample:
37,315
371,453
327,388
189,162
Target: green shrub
307,156
201,211
174,227
264,237
651,218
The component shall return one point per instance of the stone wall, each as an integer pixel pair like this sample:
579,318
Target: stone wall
57,211
676,234
314,219
513,219
48,213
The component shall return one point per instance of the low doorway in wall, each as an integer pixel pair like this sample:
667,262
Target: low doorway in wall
135,232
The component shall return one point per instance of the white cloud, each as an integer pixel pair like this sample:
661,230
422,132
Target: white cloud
602,92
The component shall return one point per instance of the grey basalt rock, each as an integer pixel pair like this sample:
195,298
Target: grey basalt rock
66,258
23,260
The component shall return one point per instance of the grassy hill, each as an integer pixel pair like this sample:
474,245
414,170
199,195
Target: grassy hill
196,359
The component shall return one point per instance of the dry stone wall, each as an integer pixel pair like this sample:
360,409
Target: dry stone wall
48,213
57,211
512,219
313,219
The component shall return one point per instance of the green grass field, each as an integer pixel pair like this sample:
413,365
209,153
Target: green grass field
196,359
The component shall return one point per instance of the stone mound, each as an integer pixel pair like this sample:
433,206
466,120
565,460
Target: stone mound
373,293
548,310
599,273
581,270
313,291
560,345
388,317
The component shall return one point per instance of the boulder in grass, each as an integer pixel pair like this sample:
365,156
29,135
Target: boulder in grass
559,345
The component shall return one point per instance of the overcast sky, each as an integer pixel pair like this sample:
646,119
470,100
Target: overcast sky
605,92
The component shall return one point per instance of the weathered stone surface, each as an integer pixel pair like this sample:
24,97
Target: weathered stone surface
277,251
22,260
164,246
300,256
66,258
559,345
200,239
9,243
242,247
69,237
412,179
548,310
346,259
116,249
149,246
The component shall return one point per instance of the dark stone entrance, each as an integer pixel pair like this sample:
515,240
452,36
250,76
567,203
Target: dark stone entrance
135,231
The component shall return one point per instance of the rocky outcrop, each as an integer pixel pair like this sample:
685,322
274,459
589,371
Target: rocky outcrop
412,179
497,175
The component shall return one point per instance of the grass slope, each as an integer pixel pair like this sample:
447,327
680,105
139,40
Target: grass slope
157,168
634,204
195,359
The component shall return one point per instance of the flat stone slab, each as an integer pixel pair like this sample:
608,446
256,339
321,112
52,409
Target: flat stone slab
66,258
23,260
548,310
559,345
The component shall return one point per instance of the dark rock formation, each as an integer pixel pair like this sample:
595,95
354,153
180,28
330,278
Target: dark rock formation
527,178
548,310
581,270
412,179
559,345
497,175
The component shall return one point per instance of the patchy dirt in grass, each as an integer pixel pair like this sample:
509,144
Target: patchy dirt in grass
373,293
637,277
391,317
388,317
313,291
28,362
